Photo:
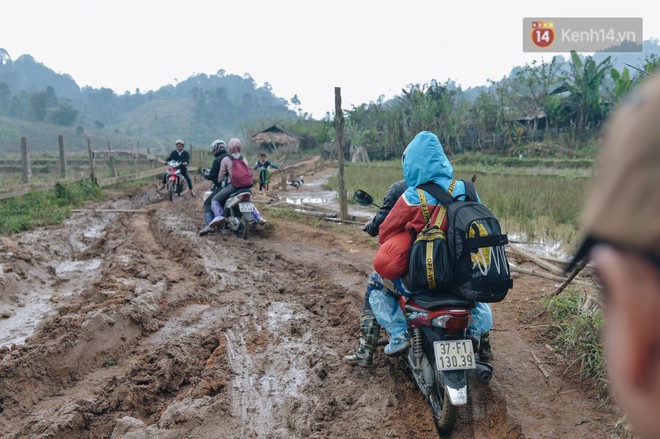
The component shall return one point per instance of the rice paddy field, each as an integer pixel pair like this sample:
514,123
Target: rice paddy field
533,203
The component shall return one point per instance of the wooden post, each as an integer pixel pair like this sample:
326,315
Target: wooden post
284,183
60,140
92,175
137,156
112,161
25,160
151,162
339,129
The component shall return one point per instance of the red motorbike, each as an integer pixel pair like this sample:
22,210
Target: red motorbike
174,179
442,356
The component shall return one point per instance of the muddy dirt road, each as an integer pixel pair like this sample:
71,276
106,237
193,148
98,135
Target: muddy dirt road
128,325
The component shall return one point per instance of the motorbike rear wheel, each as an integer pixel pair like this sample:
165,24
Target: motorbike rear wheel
444,412
244,229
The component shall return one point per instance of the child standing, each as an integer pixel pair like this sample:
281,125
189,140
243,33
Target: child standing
264,166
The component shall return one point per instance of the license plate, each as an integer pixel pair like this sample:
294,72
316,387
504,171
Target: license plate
454,354
246,207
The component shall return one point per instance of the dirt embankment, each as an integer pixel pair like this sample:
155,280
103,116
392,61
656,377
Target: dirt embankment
146,330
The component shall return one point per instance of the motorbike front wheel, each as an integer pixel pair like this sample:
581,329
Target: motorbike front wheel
170,190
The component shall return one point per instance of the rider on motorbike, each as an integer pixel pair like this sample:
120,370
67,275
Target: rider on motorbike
382,293
369,327
219,151
183,157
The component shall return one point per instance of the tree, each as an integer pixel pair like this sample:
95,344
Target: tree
40,101
583,81
64,115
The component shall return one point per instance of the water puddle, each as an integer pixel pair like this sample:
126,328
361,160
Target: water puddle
24,317
542,247
313,194
192,318
21,319
263,382
73,269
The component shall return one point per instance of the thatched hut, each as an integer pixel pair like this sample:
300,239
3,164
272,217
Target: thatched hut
276,139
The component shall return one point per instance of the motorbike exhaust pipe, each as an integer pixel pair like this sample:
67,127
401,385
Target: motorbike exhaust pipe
483,372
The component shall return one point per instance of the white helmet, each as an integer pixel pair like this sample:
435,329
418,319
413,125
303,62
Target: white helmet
217,146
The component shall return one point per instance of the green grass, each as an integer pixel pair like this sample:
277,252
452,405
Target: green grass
578,335
46,207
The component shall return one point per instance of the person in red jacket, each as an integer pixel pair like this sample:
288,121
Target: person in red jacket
423,161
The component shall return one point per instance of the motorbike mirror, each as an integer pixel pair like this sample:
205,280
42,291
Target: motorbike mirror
363,198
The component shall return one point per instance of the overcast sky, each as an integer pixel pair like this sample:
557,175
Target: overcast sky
304,47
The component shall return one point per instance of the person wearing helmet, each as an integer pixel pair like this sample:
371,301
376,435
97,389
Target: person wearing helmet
218,198
181,156
219,151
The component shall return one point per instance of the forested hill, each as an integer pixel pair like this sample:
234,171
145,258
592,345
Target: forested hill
34,99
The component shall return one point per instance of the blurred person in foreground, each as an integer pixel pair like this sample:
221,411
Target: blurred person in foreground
622,224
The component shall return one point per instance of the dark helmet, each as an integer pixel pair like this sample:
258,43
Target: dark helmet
218,146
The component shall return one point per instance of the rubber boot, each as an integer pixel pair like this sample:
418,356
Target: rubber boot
485,351
369,332
389,315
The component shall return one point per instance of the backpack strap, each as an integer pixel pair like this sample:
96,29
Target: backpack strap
440,194
470,191
424,205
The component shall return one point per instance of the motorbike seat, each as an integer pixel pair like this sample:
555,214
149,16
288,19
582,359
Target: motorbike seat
442,301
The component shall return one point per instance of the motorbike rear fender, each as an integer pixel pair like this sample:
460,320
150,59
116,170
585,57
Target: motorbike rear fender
454,382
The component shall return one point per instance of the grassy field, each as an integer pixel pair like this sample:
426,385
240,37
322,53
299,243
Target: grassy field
46,207
532,203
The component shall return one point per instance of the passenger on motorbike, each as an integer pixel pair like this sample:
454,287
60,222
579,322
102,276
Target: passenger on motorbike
423,160
218,200
183,157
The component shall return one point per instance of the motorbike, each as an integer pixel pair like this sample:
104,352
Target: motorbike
441,357
174,180
238,210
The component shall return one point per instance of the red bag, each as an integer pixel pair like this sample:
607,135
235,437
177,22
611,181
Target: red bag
391,260
241,176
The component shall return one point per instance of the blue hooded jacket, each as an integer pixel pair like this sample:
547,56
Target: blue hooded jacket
424,160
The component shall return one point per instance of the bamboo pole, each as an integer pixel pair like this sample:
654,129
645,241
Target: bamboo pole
538,261
570,278
545,275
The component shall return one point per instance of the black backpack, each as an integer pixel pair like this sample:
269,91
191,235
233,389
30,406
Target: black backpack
475,246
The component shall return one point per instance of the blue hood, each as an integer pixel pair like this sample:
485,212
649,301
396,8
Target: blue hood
424,160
